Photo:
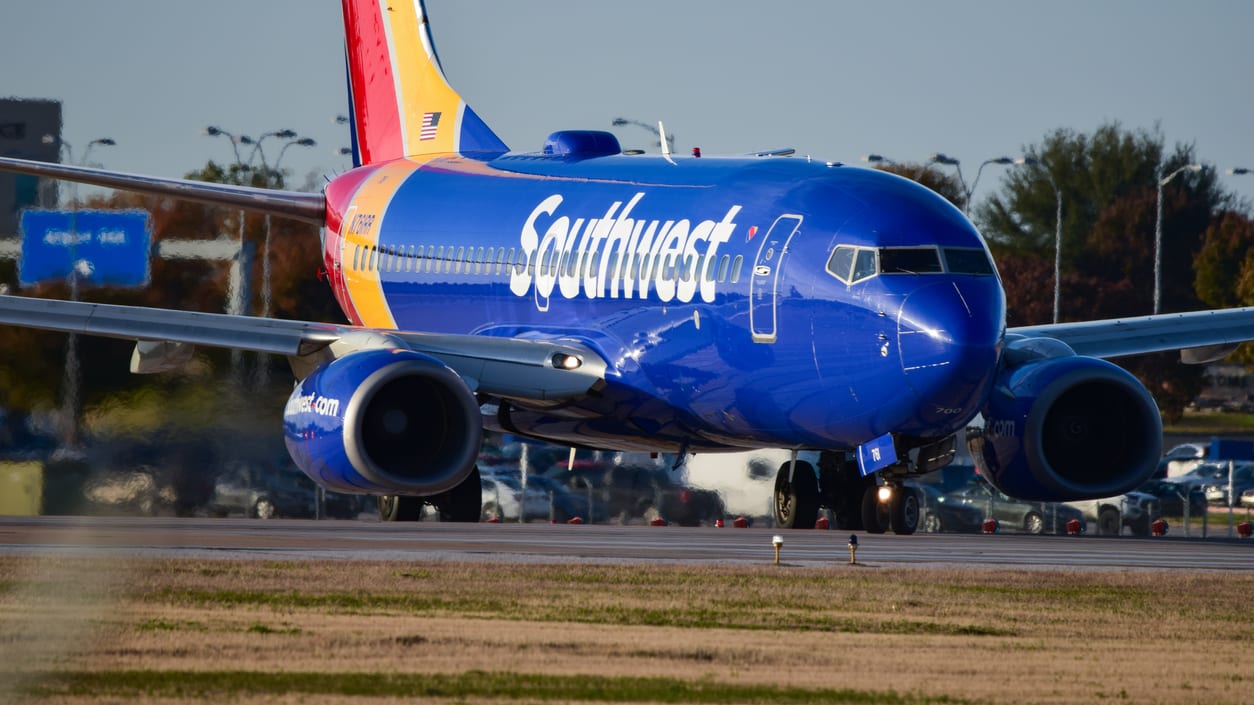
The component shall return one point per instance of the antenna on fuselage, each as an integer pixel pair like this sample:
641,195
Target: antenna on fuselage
666,148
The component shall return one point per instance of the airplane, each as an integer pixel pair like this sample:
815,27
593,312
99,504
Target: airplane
595,298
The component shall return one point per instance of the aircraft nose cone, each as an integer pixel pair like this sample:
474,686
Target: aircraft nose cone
947,336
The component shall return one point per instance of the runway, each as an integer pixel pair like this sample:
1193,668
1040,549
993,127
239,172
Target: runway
512,543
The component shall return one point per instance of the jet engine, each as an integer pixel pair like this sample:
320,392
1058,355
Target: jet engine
1066,428
385,421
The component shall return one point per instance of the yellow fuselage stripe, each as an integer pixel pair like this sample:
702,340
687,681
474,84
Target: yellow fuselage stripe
362,225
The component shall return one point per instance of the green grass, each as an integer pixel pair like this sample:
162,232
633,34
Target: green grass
724,614
226,685
1194,423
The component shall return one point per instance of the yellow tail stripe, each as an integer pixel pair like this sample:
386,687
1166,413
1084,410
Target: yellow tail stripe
420,85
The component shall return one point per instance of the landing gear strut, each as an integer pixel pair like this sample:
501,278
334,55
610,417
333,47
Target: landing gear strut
460,504
853,499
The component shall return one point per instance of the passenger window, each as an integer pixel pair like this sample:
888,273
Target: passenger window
357,258
735,268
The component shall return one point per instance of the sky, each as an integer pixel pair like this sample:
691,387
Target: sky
834,79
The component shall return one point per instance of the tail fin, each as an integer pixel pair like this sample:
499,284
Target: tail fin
402,105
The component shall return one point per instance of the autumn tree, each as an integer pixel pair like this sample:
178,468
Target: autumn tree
1108,184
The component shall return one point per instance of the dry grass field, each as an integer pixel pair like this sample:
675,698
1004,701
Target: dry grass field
94,631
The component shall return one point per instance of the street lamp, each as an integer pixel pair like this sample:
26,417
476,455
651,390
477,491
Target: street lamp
1158,229
265,248
71,382
878,159
1239,170
1005,161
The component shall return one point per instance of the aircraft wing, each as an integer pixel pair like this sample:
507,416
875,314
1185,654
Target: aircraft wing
1202,336
539,370
309,207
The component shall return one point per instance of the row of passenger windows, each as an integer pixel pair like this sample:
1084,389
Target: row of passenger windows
853,264
441,259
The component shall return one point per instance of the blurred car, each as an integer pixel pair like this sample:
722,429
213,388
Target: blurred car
548,498
502,497
1247,499
1170,502
263,495
1135,510
1242,480
1207,473
942,513
1180,459
1017,514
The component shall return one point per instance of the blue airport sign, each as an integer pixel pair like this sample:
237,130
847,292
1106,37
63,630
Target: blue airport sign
103,248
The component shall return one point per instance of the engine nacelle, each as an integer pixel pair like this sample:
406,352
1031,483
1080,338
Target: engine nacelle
384,422
1067,428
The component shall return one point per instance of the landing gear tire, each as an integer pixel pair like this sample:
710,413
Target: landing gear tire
875,519
1108,522
796,500
932,523
1033,523
264,509
394,507
463,503
904,516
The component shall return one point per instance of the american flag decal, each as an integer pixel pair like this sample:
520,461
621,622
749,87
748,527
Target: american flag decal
430,123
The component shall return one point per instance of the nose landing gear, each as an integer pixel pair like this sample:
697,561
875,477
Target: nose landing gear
856,502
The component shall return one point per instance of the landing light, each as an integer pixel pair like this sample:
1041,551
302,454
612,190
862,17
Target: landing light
562,361
885,493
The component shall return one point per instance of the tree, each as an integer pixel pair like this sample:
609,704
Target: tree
1224,268
947,185
1108,184
33,371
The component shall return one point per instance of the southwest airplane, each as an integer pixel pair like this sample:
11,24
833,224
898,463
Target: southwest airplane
586,296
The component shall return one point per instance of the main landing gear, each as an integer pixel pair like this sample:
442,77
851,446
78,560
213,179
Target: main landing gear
460,504
856,502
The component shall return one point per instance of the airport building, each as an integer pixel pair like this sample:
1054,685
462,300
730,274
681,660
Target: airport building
29,129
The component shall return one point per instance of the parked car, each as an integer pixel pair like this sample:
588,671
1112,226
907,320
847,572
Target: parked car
266,496
1169,498
502,497
941,513
1135,510
1208,473
1180,459
1247,498
1017,514
1242,479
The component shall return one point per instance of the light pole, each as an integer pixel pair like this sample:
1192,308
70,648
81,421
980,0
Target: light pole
73,373
1004,161
1238,170
1158,229
670,139
269,183
878,159
235,287
939,158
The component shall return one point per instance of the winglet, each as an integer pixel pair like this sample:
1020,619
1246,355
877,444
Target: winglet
402,104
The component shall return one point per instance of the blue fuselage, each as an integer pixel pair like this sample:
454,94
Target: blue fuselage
712,287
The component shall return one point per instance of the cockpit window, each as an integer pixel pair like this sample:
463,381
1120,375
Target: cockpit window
841,263
852,264
909,260
967,260
864,265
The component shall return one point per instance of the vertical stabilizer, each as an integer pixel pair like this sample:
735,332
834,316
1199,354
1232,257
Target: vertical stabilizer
401,103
